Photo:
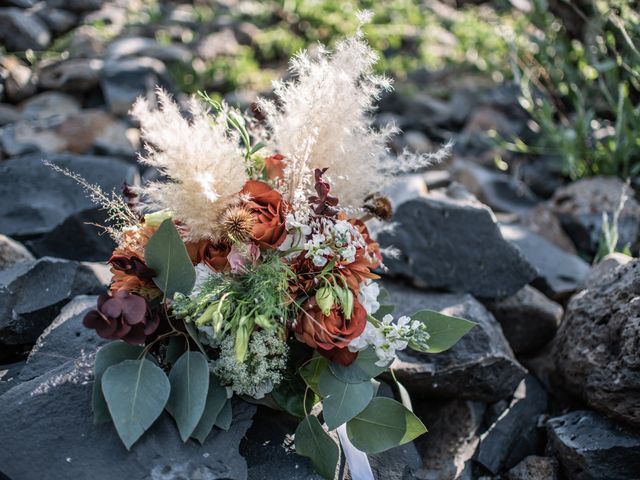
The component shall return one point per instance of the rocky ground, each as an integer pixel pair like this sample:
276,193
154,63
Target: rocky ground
547,386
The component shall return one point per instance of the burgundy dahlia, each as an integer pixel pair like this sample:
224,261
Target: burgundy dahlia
123,316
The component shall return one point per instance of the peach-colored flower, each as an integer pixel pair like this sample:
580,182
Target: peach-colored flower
275,165
270,210
330,334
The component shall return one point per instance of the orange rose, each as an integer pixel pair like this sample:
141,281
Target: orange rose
214,255
270,210
331,334
275,165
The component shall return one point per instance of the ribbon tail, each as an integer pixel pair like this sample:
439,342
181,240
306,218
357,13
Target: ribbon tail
356,459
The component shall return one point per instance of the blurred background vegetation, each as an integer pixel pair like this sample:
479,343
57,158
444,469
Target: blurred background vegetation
577,63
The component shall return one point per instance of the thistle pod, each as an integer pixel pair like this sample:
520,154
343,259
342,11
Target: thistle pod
325,300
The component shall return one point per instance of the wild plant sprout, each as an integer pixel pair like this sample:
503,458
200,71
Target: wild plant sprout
255,275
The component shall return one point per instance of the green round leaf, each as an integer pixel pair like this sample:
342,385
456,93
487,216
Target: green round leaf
444,331
167,255
136,392
384,424
341,401
314,443
189,379
311,371
110,354
225,416
362,369
216,399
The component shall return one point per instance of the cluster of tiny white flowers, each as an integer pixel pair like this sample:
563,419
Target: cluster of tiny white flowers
261,370
368,296
331,238
389,337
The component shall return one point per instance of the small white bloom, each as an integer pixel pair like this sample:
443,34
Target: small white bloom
368,296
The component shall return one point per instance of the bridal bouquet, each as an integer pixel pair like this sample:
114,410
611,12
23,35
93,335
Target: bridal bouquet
253,275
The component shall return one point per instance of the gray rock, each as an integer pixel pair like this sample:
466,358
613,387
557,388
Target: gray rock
559,273
454,433
592,447
480,366
606,267
58,20
18,83
65,339
12,252
48,104
72,75
76,5
528,319
51,415
125,80
514,434
33,293
36,199
77,238
503,193
81,132
580,206
21,30
9,376
535,468
454,244
147,47
596,348
8,114
542,221
218,43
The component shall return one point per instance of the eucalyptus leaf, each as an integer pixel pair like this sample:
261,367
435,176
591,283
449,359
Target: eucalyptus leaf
167,255
384,424
311,371
313,442
363,368
110,354
189,379
444,330
216,399
136,392
341,401
224,417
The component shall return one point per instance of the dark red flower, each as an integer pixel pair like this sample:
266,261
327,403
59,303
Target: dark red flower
323,203
132,265
123,316
330,334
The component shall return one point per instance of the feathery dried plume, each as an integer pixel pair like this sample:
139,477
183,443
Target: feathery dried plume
201,158
324,121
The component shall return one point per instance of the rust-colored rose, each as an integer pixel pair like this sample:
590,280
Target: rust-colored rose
275,165
270,210
214,255
330,334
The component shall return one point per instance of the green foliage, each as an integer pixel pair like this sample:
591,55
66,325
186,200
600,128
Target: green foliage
444,331
232,304
215,403
110,354
136,392
189,380
583,93
313,442
167,255
364,368
223,420
341,401
384,424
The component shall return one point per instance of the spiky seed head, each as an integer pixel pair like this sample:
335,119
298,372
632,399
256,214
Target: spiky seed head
379,206
236,224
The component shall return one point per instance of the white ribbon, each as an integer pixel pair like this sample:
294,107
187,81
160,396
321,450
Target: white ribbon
356,459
